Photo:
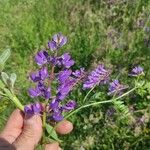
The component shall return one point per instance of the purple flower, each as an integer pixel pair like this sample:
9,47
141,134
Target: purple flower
31,109
34,92
116,88
39,75
79,73
52,45
63,75
137,71
54,104
58,41
65,88
69,106
57,115
99,76
40,90
41,58
37,108
28,109
66,60
43,73
45,92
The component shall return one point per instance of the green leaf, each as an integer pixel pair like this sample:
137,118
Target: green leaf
147,86
2,85
8,93
13,78
52,133
5,77
3,58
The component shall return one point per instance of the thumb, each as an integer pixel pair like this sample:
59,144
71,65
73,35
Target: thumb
31,133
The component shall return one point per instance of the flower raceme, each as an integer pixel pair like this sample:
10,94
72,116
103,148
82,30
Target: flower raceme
98,76
137,71
64,80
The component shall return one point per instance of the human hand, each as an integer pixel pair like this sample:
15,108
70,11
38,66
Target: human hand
22,133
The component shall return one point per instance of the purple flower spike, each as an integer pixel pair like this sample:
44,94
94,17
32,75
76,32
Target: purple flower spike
116,88
69,106
34,92
41,58
99,76
37,108
137,71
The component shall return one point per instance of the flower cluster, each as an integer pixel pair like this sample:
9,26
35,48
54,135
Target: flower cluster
137,71
101,76
66,80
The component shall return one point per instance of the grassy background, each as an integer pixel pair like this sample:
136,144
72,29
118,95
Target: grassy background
115,32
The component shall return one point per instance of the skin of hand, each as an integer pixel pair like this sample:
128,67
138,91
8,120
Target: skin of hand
22,133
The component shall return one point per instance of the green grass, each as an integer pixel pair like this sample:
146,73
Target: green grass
98,32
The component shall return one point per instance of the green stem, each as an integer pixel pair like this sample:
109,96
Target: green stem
18,103
44,128
101,102
88,93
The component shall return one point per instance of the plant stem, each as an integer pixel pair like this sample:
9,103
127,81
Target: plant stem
89,93
101,102
44,126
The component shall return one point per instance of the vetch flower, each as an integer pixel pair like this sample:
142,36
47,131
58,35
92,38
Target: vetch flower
137,71
54,104
64,75
34,92
79,73
41,58
28,109
99,76
116,88
66,60
39,75
58,41
57,115
37,108
65,87
40,90
31,109
69,106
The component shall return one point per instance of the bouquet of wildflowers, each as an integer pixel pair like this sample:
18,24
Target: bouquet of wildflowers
54,81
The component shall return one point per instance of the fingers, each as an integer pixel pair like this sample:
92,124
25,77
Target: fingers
31,133
64,127
13,127
53,146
